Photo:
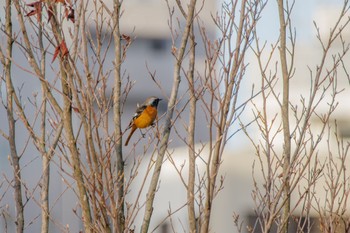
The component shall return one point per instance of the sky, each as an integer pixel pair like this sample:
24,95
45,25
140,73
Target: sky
303,15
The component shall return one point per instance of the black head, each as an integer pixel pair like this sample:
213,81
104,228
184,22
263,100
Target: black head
152,101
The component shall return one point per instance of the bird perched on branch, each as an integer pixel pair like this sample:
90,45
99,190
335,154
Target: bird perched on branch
144,116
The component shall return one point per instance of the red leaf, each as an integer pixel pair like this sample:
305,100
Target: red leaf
57,50
37,9
173,50
126,38
62,49
76,109
69,11
49,13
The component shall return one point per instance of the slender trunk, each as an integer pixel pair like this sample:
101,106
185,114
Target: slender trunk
12,123
285,118
72,145
120,226
191,142
14,156
67,119
45,181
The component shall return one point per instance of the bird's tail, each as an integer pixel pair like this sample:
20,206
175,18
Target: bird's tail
131,133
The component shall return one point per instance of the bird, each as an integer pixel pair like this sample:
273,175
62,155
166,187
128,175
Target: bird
144,116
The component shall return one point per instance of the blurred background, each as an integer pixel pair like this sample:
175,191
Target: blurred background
147,21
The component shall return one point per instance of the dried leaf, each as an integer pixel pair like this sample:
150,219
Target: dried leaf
57,50
69,11
64,49
128,42
75,109
49,13
126,38
173,50
37,9
60,49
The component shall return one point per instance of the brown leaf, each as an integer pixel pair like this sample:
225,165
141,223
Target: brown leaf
37,9
49,13
57,50
69,11
173,50
75,109
126,38
62,49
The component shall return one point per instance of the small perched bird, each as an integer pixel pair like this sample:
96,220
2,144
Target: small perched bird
144,116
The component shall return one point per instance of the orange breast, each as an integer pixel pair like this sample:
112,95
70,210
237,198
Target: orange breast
146,118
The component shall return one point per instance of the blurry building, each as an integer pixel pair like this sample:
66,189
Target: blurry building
237,167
